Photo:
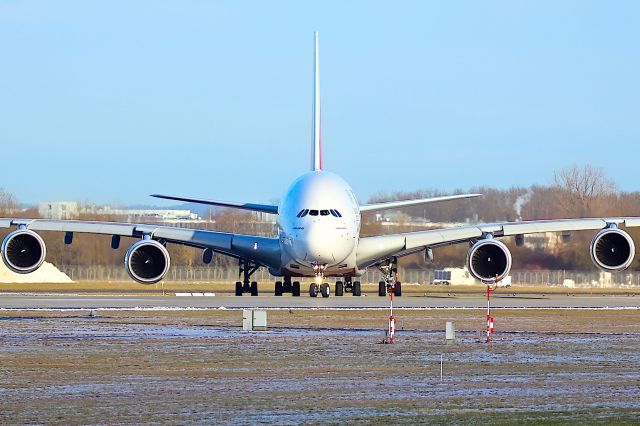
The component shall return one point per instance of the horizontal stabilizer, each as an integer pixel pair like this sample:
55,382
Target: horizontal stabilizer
243,206
407,203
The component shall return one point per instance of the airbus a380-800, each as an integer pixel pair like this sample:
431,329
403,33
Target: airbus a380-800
318,236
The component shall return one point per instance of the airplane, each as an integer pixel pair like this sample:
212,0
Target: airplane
318,224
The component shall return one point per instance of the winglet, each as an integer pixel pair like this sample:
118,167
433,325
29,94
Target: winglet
316,153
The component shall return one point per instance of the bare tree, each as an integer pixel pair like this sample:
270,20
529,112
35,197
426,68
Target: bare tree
581,187
8,203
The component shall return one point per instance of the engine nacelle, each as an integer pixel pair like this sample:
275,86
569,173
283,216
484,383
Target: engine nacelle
489,260
147,261
612,250
23,251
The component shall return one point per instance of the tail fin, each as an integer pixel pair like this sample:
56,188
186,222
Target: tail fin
316,153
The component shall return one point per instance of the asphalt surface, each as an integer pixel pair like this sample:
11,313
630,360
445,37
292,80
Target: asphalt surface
30,301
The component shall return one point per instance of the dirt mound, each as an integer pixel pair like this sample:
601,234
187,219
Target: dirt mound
47,273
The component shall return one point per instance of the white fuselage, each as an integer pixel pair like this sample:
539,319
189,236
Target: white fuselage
319,226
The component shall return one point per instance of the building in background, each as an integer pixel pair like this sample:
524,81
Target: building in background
59,209
72,209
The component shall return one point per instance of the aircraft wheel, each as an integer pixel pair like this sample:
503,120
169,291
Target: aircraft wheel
382,288
254,288
313,290
278,291
238,288
295,288
356,288
325,290
339,288
397,291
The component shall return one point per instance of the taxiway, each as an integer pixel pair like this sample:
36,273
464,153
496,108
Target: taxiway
72,301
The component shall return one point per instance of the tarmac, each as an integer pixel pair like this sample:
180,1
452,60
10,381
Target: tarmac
73,301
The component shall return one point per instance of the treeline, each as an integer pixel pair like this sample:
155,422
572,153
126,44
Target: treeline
575,192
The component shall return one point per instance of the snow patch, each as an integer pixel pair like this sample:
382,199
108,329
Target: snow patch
47,273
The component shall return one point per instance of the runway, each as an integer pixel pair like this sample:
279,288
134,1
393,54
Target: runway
31,301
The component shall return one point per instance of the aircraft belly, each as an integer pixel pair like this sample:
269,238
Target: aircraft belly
302,268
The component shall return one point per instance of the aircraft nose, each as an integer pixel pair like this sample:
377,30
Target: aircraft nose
317,243
314,246
322,245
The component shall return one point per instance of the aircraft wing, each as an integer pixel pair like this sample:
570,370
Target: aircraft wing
407,203
262,250
372,250
243,206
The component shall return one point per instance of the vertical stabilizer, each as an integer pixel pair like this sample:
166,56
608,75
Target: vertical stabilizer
316,153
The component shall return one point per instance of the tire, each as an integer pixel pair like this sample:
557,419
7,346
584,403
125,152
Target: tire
382,288
356,288
238,288
278,291
398,290
295,288
339,288
254,288
325,290
313,290
286,287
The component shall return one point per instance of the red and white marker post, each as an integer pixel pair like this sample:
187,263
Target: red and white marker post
392,320
490,328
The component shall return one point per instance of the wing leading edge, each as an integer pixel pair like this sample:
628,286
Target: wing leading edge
373,249
263,250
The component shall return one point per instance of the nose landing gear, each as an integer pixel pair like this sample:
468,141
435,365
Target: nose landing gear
322,289
319,286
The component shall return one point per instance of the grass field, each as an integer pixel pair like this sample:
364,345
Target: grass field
544,366
130,287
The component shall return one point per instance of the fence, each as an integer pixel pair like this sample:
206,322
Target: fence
592,278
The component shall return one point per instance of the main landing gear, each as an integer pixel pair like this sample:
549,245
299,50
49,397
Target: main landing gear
390,283
246,268
287,287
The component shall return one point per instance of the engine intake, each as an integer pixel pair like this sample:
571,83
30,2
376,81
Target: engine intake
612,250
489,260
147,261
23,251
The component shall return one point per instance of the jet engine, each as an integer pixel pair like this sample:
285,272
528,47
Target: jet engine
612,250
489,260
23,251
147,261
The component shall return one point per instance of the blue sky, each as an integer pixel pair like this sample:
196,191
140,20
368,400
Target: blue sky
111,101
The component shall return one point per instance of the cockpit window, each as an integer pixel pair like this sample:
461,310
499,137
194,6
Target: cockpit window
332,212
